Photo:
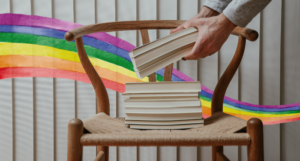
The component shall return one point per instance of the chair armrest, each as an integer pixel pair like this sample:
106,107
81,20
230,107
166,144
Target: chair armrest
221,87
249,34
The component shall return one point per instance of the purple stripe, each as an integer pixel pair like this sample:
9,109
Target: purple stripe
38,21
206,89
182,76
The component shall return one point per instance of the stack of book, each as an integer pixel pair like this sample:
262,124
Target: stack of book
153,56
163,105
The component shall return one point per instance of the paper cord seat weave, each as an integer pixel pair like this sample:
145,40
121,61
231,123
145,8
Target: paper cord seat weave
220,129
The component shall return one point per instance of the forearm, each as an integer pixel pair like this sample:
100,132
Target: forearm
217,5
240,12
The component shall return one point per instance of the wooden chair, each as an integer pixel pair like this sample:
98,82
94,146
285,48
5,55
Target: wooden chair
220,129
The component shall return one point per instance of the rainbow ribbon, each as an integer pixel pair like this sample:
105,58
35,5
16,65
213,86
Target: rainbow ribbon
34,46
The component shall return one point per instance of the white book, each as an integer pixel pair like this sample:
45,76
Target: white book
162,87
155,95
181,122
158,54
137,51
173,127
155,56
161,103
161,64
145,110
163,117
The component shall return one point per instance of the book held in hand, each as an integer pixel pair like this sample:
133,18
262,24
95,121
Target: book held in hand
155,55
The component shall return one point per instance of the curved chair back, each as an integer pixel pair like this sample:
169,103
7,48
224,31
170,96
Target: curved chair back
101,93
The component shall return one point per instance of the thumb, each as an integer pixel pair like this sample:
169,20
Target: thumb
189,56
181,27
192,55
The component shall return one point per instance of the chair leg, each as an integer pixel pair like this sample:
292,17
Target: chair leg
215,150
75,131
100,156
256,147
105,150
221,157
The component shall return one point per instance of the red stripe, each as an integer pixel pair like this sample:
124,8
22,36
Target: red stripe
280,121
55,73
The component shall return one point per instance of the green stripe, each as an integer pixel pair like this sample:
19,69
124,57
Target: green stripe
65,45
159,77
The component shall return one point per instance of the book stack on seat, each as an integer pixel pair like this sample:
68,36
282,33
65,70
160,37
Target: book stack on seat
163,105
153,56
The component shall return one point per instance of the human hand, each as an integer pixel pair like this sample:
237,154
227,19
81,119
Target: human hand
204,12
212,33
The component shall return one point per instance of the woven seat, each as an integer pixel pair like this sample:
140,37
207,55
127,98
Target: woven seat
220,129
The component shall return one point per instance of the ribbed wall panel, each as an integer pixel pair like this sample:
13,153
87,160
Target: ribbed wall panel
65,92
167,10
6,108
147,11
290,83
24,109
126,10
35,111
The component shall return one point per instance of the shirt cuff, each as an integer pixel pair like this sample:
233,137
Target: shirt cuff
235,16
217,5
241,12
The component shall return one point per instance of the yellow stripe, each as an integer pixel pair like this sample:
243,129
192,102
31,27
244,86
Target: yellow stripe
39,50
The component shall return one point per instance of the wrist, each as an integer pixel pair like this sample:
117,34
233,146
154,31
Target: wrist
207,12
226,22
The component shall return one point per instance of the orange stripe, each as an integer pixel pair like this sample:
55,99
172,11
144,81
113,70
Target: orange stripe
55,63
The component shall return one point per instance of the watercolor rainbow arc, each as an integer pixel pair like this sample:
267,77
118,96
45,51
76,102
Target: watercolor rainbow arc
34,46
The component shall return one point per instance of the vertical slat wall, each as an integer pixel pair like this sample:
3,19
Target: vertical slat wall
189,68
167,10
7,137
290,83
270,41
146,10
65,108
106,12
126,10
24,109
34,112
44,100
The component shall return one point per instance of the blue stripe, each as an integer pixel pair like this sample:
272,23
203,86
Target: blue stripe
174,78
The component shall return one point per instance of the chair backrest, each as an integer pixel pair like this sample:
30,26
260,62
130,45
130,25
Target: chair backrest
143,26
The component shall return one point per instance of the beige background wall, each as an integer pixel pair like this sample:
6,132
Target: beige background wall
34,111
